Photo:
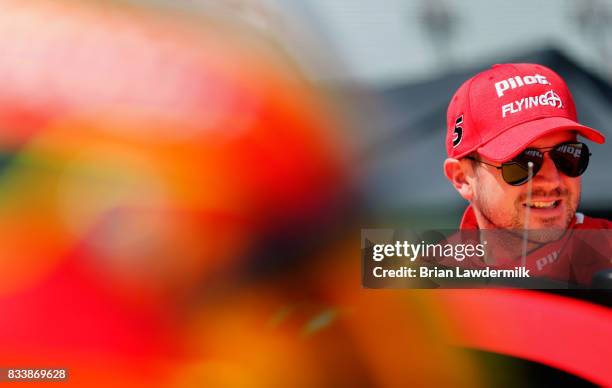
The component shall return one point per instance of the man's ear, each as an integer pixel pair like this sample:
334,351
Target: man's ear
458,173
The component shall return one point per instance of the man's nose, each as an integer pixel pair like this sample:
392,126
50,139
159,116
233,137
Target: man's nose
548,174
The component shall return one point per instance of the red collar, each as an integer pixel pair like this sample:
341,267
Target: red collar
468,221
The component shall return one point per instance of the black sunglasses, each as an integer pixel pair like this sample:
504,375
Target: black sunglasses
570,158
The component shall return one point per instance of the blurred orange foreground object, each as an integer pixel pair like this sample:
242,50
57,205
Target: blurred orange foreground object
120,109
147,154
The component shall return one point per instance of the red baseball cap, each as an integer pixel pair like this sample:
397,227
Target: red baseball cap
500,111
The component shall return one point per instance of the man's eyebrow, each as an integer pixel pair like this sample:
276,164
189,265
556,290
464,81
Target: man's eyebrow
573,138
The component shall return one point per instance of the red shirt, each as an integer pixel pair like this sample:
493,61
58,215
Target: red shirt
584,249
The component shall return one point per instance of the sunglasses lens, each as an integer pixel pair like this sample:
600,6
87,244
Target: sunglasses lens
516,172
571,159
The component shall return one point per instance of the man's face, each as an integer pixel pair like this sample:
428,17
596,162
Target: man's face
500,205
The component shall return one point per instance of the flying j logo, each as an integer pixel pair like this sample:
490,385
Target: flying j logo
550,98
518,81
458,132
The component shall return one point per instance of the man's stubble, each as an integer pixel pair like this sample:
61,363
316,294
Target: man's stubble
549,231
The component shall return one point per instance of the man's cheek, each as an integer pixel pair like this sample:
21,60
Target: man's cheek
576,189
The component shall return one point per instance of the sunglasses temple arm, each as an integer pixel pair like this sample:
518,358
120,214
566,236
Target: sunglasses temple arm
527,209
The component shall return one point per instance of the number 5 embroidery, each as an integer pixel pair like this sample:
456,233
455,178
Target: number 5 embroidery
458,132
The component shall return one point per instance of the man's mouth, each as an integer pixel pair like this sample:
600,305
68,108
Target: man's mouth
542,204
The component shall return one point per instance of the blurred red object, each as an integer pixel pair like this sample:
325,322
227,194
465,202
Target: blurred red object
146,154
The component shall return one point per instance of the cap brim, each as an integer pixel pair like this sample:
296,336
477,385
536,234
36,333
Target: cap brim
515,139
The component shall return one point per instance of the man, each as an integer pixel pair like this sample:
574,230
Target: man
514,155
